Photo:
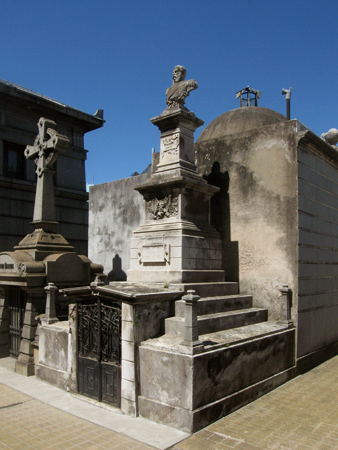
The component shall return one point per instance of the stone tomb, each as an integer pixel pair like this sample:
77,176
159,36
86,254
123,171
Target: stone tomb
42,258
217,352
143,308
183,362
277,215
176,243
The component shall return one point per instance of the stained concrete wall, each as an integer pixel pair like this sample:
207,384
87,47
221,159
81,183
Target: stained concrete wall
213,383
256,210
278,214
53,354
212,375
115,211
139,323
318,251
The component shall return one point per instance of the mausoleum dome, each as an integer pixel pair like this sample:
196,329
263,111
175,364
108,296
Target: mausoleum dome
239,121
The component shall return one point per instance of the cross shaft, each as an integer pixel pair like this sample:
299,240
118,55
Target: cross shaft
47,145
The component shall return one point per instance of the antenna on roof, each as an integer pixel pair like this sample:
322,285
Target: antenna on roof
252,95
287,93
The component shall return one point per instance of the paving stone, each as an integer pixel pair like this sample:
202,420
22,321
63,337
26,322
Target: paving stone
300,415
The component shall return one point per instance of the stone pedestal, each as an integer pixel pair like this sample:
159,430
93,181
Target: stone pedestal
176,244
177,126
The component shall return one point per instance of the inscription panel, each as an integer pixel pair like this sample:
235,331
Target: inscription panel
169,145
155,253
7,264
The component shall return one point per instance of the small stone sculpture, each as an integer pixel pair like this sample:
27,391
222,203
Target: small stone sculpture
163,208
331,137
180,88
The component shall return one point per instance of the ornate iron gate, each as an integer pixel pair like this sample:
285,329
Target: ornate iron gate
17,304
99,351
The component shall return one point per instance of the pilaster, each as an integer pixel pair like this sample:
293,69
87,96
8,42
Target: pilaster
128,361
4,324
25,365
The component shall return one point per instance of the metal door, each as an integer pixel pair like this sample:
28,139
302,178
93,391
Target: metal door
99,351
17,304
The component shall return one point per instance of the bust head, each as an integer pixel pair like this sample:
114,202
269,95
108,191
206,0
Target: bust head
179,74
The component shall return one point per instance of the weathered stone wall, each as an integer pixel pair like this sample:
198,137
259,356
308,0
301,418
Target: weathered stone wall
213,383
139,322
53,354
115,211
256,210
318,251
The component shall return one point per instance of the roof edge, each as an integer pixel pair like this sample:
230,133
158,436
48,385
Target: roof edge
18,91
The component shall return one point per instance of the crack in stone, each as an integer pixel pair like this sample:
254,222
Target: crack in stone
11,405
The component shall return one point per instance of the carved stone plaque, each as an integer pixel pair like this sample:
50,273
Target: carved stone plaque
170,145
154,253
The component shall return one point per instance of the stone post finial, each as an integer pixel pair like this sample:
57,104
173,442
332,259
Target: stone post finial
48,143
191,327
98,281
286,303
50,314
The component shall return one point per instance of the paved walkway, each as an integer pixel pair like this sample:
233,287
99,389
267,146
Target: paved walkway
36,415
302,414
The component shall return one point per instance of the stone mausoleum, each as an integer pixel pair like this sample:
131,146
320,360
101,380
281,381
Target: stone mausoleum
221,270
276,215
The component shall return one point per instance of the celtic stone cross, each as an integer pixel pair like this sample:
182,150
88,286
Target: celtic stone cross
48,143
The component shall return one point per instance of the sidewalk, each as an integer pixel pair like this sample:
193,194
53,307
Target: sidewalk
302,414
36,415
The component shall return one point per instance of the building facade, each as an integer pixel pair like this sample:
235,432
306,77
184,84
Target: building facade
20,110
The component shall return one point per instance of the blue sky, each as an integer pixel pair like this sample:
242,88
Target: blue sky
119,56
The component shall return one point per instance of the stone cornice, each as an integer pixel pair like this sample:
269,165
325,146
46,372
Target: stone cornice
310,140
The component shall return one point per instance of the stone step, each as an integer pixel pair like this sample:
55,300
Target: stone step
207,289
210,305
241,334
211,323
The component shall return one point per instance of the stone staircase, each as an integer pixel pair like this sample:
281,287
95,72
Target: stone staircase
242,357
219,313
